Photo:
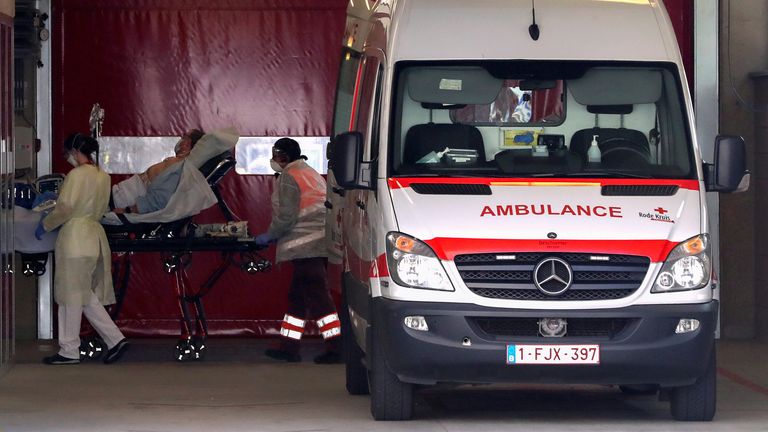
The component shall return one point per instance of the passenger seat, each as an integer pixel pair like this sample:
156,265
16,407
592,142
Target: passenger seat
422,139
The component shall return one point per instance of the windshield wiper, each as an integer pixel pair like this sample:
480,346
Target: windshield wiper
596,174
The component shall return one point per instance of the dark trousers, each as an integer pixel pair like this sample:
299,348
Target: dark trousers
308,297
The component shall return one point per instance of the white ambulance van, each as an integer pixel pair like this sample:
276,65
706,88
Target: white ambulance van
523,202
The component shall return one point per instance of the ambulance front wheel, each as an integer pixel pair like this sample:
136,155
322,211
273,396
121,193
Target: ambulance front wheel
356,372
391,399
697,402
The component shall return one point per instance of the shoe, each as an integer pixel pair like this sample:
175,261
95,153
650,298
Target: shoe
283,355
116,351
60,360
328,357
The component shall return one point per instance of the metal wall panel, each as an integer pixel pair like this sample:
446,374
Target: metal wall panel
6,191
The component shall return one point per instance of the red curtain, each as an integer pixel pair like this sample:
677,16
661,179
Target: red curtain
267,67
681,14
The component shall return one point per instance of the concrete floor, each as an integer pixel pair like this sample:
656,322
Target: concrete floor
237,389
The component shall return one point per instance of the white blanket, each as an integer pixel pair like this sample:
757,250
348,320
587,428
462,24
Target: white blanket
124,194
192,196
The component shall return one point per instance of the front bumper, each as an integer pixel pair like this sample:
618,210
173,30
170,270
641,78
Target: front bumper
646,351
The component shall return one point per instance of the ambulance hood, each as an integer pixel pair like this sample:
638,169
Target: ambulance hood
615,216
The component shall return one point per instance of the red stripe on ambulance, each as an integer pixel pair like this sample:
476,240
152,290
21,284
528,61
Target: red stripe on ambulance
448,248
405,182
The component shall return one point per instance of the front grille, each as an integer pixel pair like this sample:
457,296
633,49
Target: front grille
509,275
535,294
605,328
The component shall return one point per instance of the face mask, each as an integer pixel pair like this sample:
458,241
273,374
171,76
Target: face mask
72,161
275,166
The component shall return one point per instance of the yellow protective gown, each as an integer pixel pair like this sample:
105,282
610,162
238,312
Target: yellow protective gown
83,261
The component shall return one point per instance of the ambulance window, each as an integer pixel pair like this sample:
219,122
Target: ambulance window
345,91
518,103
507,119
375,131
366,109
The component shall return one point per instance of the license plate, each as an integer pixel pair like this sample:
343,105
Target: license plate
553,354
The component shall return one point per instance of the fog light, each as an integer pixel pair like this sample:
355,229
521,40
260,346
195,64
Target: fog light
417,323
553,327
687,325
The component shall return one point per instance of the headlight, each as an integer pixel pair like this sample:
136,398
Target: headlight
688,266
413,264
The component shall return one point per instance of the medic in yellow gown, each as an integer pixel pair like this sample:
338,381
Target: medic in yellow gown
83,276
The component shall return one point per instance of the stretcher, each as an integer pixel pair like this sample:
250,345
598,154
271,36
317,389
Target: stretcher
176,242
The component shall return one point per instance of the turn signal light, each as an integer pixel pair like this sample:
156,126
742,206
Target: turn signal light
405,244
694,246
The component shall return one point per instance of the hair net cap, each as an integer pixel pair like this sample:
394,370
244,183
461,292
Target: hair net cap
288,146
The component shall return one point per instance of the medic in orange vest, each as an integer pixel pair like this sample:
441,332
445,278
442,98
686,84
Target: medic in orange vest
298,227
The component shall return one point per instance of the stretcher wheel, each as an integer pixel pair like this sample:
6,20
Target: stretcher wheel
184,350
92,348
199,348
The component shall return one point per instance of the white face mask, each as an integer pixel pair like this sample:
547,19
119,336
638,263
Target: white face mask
72,161
275,166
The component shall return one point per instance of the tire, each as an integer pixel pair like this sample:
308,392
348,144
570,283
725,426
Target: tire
356,372
697,402
391,399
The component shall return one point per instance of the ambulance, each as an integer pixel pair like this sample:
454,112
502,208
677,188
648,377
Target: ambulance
519,197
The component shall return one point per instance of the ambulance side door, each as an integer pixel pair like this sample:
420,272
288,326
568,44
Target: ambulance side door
365,205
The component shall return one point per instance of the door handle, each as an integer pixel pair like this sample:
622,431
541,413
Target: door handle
360,204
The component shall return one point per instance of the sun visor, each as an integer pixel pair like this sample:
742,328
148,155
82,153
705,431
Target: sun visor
435,85
617,86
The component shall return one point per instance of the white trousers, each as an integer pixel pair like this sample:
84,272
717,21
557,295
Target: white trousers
69,326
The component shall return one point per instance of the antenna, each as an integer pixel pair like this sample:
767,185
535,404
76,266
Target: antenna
533,29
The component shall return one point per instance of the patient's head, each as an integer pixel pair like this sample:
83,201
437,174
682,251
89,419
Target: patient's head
187,141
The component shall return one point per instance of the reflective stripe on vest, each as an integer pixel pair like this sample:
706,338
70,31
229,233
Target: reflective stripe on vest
330,326
292,327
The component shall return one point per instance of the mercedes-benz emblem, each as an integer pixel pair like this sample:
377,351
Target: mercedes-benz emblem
552,276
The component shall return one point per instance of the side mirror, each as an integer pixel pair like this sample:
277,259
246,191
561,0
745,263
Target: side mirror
729,172
346,161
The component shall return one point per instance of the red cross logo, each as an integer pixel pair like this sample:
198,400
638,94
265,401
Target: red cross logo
660,210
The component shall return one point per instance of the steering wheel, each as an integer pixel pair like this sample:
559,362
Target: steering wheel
624,145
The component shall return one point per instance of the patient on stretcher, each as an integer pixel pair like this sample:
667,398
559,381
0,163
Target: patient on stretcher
151,190
178,191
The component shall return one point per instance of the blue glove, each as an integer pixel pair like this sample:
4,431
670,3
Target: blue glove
40,230
264,239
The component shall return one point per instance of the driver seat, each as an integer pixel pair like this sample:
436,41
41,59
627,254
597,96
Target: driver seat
619,147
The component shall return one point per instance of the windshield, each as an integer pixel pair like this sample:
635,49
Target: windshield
539,119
